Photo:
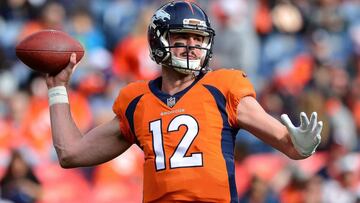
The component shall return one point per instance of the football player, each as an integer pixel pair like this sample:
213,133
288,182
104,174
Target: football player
184,121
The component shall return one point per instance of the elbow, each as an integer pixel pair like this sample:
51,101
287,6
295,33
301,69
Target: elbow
66,163
66,160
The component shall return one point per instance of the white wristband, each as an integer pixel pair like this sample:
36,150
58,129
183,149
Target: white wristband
58,95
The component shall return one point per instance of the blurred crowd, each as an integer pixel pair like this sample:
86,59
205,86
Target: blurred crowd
301,55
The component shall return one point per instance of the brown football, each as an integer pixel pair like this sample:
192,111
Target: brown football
48,51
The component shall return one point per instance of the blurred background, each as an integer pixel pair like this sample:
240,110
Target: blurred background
301,55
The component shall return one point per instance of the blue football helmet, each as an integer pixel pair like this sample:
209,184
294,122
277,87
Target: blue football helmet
179,17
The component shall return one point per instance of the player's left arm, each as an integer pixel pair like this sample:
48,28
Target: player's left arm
296,142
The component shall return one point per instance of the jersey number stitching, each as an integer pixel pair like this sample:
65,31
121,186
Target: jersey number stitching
178,158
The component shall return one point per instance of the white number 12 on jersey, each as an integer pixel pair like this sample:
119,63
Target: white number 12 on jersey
178,159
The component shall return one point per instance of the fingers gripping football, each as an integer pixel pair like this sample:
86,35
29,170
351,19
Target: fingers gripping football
307,137
62,78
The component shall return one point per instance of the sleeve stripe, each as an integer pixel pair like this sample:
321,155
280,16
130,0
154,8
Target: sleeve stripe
129,113
228,136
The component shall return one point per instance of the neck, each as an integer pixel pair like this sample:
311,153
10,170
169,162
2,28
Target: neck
174,82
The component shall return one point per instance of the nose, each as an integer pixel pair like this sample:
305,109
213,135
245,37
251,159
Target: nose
191,42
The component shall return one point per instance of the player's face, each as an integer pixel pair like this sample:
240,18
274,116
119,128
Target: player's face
186,39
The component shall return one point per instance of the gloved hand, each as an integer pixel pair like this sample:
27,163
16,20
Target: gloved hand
306,138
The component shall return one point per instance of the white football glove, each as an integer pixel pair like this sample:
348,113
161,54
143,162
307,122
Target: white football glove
306,138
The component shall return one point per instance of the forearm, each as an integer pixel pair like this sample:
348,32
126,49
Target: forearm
278,137
286,146
253,118
282,141
99,145
272,132
65,133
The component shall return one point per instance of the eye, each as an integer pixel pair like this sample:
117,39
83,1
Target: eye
199,39
179,44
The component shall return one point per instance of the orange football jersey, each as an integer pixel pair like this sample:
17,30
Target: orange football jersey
187,138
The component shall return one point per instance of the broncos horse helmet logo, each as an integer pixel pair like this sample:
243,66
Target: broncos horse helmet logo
161,15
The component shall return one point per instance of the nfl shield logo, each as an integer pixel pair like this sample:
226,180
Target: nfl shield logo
170,101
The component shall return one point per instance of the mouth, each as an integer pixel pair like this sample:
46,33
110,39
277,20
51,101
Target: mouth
191,56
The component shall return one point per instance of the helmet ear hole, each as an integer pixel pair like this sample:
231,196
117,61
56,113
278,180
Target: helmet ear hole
159,53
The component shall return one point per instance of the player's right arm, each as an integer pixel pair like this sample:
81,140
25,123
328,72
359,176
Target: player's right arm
73,148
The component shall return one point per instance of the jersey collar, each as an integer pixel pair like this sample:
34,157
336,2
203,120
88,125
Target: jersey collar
155,87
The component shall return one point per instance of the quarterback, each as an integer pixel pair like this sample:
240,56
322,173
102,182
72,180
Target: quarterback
184,121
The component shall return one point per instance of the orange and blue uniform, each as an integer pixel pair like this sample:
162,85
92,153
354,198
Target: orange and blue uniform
187,138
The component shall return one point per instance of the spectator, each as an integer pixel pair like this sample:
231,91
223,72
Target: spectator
237,45
259,191
52,16
19,183
342,189
131,55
